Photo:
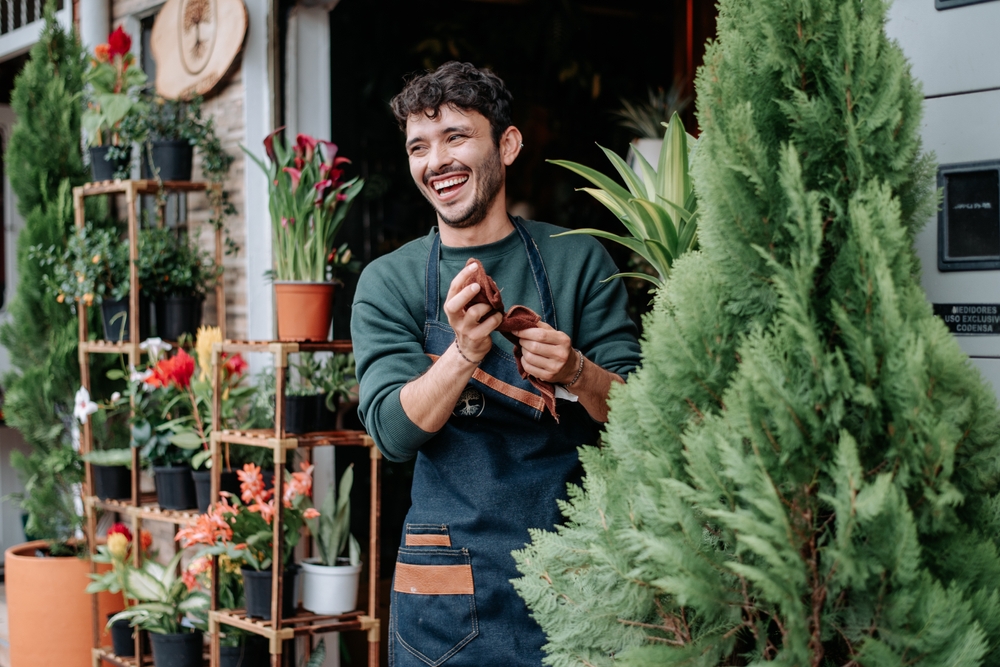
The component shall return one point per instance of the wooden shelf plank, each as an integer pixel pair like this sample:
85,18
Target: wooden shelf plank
106,347
143,187
339,346
303,623
148,512
264,437
108,656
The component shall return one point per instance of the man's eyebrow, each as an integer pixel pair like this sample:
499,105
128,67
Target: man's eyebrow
448,130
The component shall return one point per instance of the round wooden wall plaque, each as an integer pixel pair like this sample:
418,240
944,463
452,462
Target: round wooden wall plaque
194,43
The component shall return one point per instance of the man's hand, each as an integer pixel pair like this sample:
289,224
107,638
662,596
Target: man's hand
471,335
548,354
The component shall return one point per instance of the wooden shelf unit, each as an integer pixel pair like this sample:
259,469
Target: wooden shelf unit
279,629
139,508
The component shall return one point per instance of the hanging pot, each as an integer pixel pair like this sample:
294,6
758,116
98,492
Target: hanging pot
46,595
251,653
112,482
115,317
305,310
330,589
177,650
257,590
326,419
178,315
203,486
172,158
103,169
300,414
174,487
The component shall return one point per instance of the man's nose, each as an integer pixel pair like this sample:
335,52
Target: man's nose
440,157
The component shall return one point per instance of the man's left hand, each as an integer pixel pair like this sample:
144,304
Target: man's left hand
548,354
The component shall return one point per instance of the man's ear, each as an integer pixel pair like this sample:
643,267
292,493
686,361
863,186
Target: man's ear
510,145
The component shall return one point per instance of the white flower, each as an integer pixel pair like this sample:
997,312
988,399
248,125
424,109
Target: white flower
136,376
84,407
115,396
154,347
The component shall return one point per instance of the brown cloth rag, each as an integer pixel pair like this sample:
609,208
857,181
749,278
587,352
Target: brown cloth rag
517,318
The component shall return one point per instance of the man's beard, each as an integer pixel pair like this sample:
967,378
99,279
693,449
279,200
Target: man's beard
491,178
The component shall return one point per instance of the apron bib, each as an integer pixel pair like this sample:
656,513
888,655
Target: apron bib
495,470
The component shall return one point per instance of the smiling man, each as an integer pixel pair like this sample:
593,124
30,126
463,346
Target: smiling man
440,384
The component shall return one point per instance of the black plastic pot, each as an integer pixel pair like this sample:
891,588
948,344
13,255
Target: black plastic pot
112,482
102,169
116,324
123,639
175,488
178,315
326,420
257,590
300,414
203,486
252,653
179,650
172,159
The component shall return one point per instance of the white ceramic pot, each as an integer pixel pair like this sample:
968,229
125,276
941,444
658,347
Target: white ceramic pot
329,589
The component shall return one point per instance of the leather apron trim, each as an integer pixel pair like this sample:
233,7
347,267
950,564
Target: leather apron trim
427,540
510,391
433,579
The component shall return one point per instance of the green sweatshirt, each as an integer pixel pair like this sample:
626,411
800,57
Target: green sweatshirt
387,320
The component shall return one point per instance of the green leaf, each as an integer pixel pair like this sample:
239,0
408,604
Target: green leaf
675,183
188,440
635,245
595,177
635,186
110,457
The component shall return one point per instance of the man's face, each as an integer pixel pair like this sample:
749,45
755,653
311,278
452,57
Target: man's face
455,164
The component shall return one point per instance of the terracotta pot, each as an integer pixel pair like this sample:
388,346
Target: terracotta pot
304,310
46,595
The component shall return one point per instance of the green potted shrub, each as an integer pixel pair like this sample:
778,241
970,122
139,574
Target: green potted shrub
308,202
337,380
175,274
304,394
168,135
93,268
167,606
330,580
111,458
112,95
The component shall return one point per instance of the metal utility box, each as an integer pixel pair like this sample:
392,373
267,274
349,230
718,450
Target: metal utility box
954,51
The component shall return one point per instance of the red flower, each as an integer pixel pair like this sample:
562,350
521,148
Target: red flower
305,145
176,371
300,164
269,145
120,528
236,365
119,43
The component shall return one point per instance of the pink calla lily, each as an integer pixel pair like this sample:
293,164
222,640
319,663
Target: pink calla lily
307,145
295,175
329,151
269,144
321,189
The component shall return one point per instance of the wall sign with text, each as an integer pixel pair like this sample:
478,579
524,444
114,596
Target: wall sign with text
970,319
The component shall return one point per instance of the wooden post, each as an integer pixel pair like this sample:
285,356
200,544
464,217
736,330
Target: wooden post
220,285
374,555
133,272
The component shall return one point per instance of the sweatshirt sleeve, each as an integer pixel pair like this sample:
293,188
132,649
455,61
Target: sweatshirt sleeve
388,349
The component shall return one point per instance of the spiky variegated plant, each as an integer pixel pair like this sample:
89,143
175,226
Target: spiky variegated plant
658,208
163,598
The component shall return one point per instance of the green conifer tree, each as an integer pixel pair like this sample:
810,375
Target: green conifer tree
805,469
44,162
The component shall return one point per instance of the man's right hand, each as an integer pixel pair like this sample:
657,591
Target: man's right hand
472,336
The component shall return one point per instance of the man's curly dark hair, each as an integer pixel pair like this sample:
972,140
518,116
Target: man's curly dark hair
462,85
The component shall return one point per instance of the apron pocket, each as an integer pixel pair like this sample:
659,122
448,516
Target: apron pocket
433,602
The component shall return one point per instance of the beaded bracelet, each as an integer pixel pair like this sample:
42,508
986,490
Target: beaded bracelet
579,370
462,354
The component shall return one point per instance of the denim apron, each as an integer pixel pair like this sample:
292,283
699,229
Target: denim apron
495,470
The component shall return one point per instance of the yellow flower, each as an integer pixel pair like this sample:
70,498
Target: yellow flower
203,348
228,564
96,259
118,546
61,298
88,299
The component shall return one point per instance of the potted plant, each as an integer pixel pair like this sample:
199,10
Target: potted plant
175,273
308,203
659,208
113,82
330,580
115,553
647,119
303,395
337,379
111,458
242,530
93,269
167,606
168,134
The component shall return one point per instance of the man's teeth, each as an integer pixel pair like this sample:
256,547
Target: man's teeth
441,185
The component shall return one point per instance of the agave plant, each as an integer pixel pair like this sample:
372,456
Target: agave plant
163,598
658,209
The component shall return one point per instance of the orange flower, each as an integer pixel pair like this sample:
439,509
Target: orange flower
208,529
145,540
311,513
189,580
265,509
252,484
102,53
299,485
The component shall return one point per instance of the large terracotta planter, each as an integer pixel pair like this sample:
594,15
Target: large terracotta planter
304,310
46,599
